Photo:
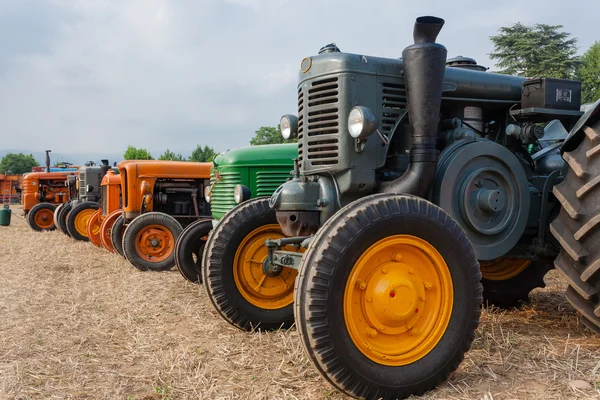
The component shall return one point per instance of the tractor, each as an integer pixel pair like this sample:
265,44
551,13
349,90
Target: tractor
100,223
415,177
72,217
159,199
43,191
236,176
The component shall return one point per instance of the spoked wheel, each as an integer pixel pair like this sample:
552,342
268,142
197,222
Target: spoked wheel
77,220
116,235
189,247
60,217
388,297
232,270
41,217
149,241
93,228
508,282
106,230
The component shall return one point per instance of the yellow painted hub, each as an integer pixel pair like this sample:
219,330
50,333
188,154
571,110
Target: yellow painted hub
259,289
503,268
81,220
398,300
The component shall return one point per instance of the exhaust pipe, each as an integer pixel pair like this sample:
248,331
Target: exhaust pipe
48,160
424,67
104,167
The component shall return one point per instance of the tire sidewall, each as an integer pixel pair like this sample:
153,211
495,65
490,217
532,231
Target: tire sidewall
72,216
190,241
33,212
116,235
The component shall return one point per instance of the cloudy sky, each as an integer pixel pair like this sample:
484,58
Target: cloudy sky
159,74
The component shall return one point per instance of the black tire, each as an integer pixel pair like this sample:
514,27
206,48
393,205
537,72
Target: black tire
135,253
56,214
116,235
325,271
61,217
44,214
218,269
191,243
515,291
73,218
576,227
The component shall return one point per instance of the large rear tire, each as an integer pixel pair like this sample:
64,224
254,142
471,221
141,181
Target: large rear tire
41,217
149,241
576,227
388,297
77,220
189,248
233,275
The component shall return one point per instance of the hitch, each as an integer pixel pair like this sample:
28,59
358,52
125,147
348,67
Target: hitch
277,259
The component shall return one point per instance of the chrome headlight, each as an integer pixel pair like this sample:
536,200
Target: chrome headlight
89,188
241,193
207,193
361,122
289,126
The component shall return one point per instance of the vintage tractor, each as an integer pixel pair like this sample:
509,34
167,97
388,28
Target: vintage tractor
72,217
412,174
100,223
159,198
236,176
43,191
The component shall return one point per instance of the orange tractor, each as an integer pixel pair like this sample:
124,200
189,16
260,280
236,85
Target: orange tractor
159,199
43,191
100,223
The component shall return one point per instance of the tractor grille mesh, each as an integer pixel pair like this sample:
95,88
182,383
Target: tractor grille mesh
268,181
82,183
104,200
393,104
223,184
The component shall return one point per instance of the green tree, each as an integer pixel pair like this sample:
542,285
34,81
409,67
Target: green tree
133,153
17,163
535,51
269,135
589,74
168,155
203,154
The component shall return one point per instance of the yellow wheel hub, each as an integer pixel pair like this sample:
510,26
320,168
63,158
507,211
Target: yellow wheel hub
259,289
398,300
81,221
503,269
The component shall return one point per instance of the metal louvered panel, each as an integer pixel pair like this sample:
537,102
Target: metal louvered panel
82,184
300,125
268,181
393,104
223,184
104,200
322,123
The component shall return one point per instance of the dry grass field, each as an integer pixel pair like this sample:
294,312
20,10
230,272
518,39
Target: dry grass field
77,322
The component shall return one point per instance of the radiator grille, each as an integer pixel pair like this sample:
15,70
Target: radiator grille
82,184
319,108
104,199
223,184
268,181
393,104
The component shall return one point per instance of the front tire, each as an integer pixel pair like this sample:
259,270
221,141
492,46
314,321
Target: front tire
77,219
232,270
93,228
106,230
388,297
116,235
60,217
41,217
189,248
149,241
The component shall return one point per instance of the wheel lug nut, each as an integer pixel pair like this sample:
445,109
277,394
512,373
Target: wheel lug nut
398,257
427,285
372,332
413,332
369,299
411,270
384,270
361,284
381,328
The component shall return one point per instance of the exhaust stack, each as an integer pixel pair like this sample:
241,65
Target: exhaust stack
48,160
424,67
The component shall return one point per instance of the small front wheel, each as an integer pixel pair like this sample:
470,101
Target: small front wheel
189,248
41,217
106,230
77,220
93,228
388,297
116,235
149,241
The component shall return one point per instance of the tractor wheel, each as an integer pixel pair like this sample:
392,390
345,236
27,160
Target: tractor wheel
149,241
41,217
508,282
232,270
189,248
388,297
106,230
93,228
60,216
116,235
77,219
576,227
56,214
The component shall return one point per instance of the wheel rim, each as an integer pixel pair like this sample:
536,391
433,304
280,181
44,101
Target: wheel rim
106,230
503,268
398,300
259,289
44,218
154,243
93,228
81,221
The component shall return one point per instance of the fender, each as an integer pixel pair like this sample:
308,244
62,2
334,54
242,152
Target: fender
591,115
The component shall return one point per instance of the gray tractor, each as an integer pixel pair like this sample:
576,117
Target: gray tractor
423,186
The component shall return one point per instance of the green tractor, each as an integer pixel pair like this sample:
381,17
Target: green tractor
414,178
236,176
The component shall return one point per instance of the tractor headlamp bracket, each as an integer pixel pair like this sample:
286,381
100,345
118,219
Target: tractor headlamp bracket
277,259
